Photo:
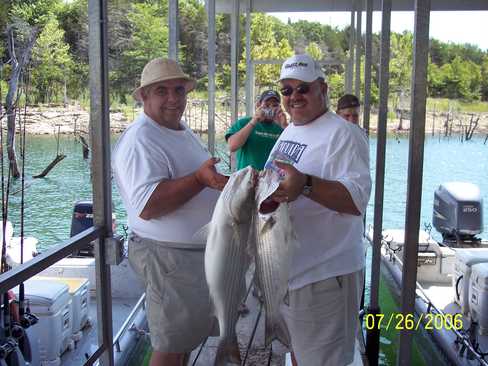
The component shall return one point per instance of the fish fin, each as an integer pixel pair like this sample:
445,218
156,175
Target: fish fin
228,353
275,328
201,235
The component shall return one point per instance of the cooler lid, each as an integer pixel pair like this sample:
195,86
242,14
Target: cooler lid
74,283
472,256
41,292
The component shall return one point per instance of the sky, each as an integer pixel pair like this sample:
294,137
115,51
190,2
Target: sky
456,27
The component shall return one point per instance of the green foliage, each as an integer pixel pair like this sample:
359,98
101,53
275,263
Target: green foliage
314,50
266,46
138,31
51,62
401,62
36,12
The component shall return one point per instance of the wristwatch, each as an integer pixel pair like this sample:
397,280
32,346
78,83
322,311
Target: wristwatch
307,188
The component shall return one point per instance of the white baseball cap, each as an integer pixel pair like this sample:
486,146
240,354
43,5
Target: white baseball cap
301,67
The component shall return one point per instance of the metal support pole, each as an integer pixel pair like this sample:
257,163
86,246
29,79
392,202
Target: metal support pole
101,171
211,75
373,335
415,168
234,59
367,65
173,29
350,62
359,43
249,83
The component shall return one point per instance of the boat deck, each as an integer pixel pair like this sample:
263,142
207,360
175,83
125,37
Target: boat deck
88,344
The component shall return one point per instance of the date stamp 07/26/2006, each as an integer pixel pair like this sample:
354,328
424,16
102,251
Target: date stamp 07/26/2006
399,321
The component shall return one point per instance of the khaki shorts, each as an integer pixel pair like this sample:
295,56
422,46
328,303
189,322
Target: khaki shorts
323,320
177,297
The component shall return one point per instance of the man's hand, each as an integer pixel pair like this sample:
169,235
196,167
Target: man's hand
280,117
208,176
291,186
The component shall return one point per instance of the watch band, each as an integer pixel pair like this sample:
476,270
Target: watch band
307,188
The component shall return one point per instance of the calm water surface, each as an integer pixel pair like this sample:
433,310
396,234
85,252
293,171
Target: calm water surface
49,201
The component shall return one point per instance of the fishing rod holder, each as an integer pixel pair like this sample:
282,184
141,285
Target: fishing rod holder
7,347
28,319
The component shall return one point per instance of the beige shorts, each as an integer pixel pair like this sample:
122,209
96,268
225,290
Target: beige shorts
177,297
323,320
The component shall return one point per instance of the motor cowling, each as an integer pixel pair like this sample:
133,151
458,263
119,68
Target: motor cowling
457,213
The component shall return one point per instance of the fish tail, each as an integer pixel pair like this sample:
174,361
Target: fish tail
228,353
275,328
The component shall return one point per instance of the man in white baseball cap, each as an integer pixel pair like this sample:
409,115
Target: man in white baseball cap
169,186
327,183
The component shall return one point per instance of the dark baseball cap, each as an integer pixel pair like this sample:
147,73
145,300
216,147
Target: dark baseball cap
347,101
268,94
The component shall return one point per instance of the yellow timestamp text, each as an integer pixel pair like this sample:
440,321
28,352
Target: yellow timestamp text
400,321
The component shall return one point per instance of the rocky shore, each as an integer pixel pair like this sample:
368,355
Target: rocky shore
74,119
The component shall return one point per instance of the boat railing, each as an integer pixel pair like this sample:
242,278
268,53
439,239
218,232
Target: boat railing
431,308
129,322
24,271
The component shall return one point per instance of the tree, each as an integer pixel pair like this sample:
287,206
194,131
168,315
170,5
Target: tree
148,40
52,62
266,46
314,50
18,66
401,61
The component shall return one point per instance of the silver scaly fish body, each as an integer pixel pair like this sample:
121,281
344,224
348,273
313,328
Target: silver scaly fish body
226,258
275,242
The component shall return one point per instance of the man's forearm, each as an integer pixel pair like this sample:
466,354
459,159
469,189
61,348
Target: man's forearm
333,195
171,194
240,137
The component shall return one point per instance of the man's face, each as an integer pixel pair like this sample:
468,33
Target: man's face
165,102
304,101
350,114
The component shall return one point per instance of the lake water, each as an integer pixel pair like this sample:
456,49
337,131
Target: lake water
49,201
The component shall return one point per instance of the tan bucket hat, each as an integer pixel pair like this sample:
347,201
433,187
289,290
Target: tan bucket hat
161,69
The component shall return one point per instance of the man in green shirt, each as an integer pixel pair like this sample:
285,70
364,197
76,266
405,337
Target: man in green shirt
252,138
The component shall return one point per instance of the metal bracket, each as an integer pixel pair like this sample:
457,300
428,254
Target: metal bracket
115,249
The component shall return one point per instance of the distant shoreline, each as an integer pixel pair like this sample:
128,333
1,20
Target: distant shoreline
74,119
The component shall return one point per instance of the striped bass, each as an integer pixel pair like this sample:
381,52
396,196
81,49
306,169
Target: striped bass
275,242
227,259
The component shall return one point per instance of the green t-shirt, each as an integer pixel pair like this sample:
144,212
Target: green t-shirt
259,144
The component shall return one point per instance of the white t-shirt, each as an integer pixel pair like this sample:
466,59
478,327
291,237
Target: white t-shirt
330,242
147,153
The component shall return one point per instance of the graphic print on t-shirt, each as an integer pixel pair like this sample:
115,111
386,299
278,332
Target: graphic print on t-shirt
287,151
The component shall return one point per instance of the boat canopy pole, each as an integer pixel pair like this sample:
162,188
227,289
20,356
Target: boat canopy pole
367,65
249,65
234,59
211,75
373,335
101,170
415,168
359,44
350,62
173,29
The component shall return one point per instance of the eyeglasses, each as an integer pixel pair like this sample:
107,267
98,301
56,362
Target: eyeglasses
300,89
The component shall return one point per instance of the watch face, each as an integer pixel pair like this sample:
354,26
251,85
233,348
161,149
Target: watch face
307,190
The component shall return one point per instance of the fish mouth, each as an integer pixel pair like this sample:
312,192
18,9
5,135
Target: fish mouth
268,206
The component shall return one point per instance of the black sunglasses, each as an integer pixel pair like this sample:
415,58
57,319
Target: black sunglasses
300,89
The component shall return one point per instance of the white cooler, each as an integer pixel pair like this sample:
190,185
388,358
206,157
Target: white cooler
80,301
465,259
51,302
478,296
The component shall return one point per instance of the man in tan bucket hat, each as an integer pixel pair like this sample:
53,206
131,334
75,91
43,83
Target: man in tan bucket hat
169,187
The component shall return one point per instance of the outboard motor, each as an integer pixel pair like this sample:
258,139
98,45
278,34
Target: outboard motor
458,212
82,219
